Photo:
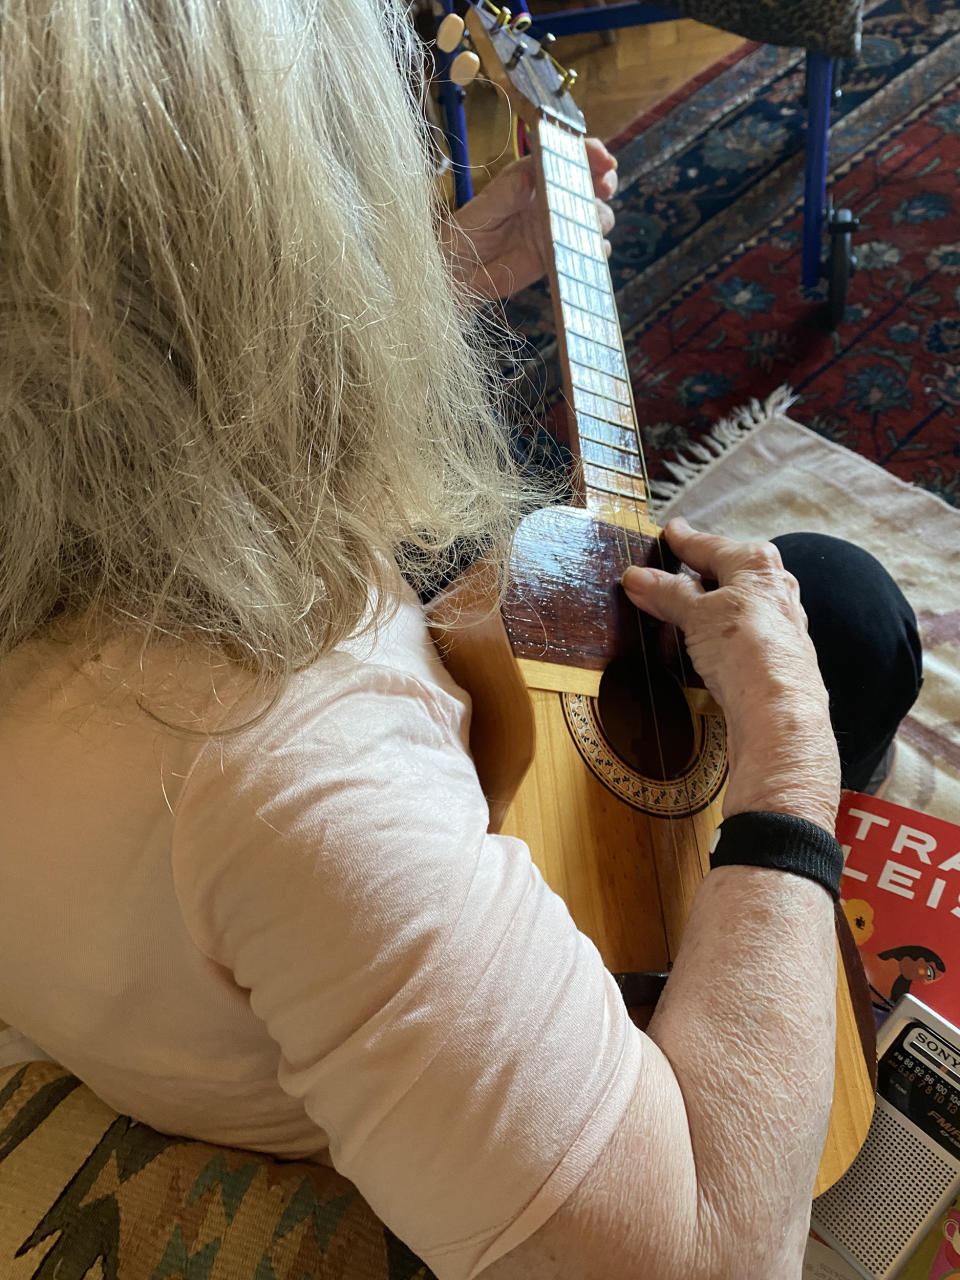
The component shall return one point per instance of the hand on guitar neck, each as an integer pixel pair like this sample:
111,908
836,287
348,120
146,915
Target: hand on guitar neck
496,243
748,641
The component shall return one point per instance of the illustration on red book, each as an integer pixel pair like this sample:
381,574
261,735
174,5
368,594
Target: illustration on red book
892,973
901,896
947,1262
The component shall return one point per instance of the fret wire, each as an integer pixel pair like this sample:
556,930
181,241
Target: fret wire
586,240
632,476
616,493
602,384
574,207
565,164
586,297
588,353
594,455
597,407
557,171
575,193
563,143
620,448
576,237
559,141
619,437
581,267
638,495
590,326
631,492
568,148
614,471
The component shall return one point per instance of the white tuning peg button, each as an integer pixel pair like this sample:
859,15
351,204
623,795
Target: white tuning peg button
464,67
449,33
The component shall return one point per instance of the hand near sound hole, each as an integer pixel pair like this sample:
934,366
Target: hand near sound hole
748,641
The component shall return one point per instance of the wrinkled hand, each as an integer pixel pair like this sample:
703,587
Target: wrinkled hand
748,640
495,242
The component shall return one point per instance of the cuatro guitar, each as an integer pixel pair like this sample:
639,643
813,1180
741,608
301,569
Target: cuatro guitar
591,741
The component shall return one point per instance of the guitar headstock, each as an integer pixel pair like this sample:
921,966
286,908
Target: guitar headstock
534,82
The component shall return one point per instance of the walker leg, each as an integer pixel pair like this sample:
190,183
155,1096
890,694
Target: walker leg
451,98
819,92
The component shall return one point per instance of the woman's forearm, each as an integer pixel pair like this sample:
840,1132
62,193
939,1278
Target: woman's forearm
747,1023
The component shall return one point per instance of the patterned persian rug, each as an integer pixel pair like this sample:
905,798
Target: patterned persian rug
706,251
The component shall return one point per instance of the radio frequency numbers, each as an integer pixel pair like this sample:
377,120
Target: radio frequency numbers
922,1079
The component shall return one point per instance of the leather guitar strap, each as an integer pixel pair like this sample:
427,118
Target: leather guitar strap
859,993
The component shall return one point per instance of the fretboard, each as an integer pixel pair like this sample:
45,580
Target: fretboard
603,422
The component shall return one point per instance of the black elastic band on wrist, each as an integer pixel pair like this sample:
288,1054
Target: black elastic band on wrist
782,842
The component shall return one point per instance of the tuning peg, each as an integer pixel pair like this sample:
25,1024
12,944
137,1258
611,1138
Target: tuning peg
464,67
449,33
568,81
546,44
503,17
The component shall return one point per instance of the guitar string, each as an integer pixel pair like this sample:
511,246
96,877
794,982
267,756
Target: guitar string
632,512
630,503
624,505
634,505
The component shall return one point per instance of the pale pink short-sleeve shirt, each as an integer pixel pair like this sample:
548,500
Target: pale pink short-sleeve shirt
300,939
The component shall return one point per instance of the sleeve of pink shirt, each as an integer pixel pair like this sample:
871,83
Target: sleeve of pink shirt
437,1012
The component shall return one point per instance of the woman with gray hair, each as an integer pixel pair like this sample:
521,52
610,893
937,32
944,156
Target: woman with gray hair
248,890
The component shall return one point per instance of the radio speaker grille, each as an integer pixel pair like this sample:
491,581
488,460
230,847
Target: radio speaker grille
878,1206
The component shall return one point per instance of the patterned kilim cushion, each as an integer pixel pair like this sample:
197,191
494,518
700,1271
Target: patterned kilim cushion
87,1193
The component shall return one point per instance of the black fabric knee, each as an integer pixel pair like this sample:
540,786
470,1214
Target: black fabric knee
867,643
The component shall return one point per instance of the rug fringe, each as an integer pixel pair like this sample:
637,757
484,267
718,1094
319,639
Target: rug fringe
695,460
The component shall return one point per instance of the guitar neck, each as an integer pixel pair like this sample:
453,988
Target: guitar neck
604,436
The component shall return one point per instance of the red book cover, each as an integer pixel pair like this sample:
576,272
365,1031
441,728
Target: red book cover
901,895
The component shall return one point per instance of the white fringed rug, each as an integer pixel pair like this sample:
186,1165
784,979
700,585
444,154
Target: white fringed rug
768,475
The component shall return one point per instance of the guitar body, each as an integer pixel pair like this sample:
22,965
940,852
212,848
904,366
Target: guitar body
625,851
619,869
619,805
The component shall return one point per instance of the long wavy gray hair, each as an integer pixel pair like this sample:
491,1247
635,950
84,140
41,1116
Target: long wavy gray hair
237,383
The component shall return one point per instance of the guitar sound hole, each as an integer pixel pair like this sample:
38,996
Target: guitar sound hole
645,719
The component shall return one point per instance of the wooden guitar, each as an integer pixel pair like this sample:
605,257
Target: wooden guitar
607,762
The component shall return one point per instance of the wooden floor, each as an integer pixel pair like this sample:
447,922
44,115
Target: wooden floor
617,82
